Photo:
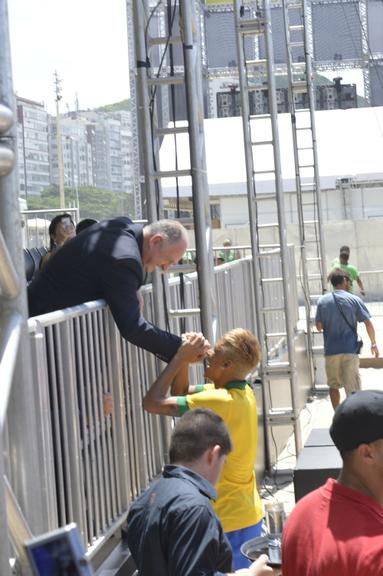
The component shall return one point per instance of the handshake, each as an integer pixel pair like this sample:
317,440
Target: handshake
194,348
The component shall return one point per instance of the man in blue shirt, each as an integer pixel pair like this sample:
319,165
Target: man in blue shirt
337,315
172,528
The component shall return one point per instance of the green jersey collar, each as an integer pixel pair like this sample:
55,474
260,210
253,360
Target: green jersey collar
239,384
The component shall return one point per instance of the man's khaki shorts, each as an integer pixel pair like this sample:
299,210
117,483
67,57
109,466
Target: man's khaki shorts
342,371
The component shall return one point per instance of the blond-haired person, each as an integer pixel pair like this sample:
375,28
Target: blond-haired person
235,355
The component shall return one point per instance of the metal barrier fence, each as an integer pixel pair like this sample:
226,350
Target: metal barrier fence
94,463
226,253
235,293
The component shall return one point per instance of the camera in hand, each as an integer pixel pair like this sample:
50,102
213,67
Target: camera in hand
58,553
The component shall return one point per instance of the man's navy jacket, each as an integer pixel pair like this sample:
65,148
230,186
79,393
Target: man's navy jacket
173,531
103,261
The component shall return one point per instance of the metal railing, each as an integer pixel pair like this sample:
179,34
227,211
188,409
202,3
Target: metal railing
92,463
233,252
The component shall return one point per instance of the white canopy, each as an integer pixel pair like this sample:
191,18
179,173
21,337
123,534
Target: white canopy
350,144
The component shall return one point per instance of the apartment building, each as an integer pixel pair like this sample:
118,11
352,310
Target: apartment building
95,148
33,151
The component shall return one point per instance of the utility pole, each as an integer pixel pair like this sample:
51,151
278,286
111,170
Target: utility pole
77,104
60,161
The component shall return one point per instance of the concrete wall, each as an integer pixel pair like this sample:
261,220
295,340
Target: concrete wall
365,238
346,202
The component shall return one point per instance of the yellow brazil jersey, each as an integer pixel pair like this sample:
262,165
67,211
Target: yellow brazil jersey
238,504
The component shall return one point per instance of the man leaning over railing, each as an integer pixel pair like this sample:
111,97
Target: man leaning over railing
109,260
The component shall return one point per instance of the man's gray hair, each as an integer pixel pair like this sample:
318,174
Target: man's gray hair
172,230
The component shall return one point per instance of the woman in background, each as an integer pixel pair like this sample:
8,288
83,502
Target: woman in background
61,229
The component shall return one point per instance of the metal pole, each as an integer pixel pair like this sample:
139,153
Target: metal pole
134,148
250,190
22,424
146,141
301,222
60,161
4,538
307,27
203,236
282,230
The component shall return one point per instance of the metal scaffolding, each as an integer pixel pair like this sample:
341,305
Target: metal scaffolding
363,61
254,74
179,30
307,180
133,106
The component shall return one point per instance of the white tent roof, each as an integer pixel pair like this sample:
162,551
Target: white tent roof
350,144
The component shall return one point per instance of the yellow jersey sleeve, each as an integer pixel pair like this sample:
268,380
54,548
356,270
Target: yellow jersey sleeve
216,400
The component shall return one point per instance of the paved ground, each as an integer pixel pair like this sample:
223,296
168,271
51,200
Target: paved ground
318,414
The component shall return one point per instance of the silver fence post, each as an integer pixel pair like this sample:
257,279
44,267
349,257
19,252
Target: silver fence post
121,450
147,145
200,190
39,368
4,540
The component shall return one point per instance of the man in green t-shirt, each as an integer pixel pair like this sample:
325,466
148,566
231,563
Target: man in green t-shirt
227,255
352,271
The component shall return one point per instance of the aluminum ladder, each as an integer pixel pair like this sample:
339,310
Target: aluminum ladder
301,95
254,23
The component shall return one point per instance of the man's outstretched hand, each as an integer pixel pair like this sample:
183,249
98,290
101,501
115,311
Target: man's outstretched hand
194,347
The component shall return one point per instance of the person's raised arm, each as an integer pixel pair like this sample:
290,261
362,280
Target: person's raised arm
156,399
180,385
121,283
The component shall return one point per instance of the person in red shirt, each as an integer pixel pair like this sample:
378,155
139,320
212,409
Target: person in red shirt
337,530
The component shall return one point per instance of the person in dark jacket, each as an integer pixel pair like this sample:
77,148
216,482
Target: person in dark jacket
84,224
109,260
172,529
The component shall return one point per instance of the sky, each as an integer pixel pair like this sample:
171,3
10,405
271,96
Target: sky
84,40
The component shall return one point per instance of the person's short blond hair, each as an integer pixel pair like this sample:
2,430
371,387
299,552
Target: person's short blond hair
241,347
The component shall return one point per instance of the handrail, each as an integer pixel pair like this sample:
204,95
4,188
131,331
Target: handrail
9,345
58,316
9,283
48,211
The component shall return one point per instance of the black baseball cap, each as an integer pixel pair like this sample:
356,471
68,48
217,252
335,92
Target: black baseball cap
344,250
358,420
